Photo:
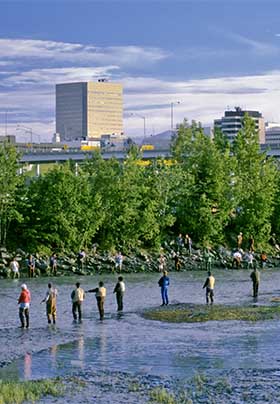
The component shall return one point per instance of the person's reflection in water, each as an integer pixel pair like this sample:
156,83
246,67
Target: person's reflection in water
27,366
53,355
81,350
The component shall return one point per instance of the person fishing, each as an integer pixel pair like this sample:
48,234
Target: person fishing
209,285
50,300
164,284
100,294
119,290
77,296
255,277
24,301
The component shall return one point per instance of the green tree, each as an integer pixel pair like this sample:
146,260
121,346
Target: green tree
203,200
10,182
62,211
254,184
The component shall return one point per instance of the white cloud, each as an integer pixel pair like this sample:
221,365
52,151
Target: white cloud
27,49
50,76
202,100
258,47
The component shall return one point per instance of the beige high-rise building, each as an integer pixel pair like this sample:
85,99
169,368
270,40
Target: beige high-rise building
88,110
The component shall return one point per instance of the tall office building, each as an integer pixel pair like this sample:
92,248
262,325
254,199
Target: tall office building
231,123
88,110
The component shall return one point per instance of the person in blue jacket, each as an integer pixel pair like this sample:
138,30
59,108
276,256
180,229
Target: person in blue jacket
164,283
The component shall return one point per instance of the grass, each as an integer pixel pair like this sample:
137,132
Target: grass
31,391
194,313
161,395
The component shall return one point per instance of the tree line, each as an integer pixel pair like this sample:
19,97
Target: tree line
210,189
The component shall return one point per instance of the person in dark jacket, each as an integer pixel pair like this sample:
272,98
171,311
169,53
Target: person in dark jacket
255,276
164,284
119,290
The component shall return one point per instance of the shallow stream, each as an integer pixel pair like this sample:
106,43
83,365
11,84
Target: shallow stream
131,343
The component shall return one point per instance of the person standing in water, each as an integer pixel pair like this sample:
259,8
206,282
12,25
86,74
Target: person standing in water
209,285
119,290
100,294
24,301
255,276
77,296
50,300
164,284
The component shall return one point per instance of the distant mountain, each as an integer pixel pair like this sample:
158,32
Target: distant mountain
160,140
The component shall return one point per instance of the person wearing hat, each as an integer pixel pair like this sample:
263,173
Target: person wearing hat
163,283
24,304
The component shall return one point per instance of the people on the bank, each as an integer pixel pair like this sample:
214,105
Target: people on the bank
118,261
239,240
255,276
81,259
250,260
237,259
208,259
164,283
53,264
77,296
177,261
179,242
50,300
251,244
263,258
188,244
31,266
119,290
209,285
100,294
14,266
161,263
24,301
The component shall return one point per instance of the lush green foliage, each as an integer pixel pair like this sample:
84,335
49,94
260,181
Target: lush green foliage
211,190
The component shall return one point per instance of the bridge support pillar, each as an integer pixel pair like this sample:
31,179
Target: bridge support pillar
37,170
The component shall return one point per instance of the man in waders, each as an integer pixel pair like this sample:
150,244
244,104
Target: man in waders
24,301
119,290
77,297
100,294
209,285
255,276
50,300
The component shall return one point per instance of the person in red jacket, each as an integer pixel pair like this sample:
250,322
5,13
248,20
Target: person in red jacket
24,304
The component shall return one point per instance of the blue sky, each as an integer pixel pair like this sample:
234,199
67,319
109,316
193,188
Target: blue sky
209,55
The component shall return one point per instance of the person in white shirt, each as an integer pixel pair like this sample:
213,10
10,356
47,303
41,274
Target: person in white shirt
119,290
14,265
100,294
77,297
209,285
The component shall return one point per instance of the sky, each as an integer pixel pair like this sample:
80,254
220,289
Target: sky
207,55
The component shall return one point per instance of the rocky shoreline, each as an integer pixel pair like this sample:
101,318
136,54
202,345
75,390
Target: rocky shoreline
97,262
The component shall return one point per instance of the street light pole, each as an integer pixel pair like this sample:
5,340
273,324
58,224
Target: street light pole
171,112
144,120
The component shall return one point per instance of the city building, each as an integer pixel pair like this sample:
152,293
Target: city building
87,110
231,123
272,134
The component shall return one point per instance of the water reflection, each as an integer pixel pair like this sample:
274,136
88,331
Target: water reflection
27,366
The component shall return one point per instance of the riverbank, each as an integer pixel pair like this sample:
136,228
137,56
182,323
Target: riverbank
137,261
